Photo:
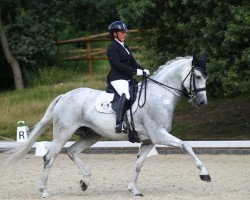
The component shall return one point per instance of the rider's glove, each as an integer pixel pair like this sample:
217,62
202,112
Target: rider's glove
146,71
139,72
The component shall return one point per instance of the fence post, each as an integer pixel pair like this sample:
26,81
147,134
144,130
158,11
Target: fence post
88,56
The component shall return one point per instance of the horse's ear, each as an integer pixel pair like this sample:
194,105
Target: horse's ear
195,60
204,57
202,64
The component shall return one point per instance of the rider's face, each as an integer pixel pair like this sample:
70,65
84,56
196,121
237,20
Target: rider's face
120,35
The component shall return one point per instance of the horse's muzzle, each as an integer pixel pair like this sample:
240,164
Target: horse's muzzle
200,100
202,103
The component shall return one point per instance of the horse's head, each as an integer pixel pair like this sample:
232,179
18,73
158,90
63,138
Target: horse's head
194,81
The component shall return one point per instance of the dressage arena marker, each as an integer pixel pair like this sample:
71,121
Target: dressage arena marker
22,131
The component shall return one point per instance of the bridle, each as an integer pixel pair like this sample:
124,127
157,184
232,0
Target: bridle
193,91
190,95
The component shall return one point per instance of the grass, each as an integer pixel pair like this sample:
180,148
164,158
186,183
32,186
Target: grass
30,104
223,119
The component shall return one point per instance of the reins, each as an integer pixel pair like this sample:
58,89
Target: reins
144,86
189,95
143,82
163,85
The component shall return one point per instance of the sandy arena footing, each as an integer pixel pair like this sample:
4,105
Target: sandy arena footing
162,177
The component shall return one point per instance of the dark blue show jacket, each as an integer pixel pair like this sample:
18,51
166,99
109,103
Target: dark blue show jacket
123,65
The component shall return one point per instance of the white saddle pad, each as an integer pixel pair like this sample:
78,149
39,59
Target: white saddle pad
103,103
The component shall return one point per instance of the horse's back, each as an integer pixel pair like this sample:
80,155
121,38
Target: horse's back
81,94
72,102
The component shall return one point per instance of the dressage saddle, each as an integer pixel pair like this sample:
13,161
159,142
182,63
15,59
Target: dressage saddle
133,89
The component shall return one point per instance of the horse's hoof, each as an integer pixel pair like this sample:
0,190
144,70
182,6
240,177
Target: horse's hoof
139,195
83,185
45,195
205,178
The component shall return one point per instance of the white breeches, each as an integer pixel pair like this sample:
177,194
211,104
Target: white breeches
121,86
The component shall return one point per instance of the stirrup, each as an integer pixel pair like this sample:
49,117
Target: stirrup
122,128
126,127
118,128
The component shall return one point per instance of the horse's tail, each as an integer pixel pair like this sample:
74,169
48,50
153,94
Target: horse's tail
22,148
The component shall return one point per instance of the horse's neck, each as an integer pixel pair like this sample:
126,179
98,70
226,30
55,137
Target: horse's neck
173,73
170,76
164,96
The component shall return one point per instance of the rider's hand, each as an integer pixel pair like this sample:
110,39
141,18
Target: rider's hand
139,72
146,71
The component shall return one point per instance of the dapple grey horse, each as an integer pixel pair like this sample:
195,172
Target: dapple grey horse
76,111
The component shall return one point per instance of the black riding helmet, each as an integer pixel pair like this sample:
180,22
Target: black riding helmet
116,26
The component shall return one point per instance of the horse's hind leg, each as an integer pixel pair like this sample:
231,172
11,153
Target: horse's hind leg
73,152
61,134
142,154
49,159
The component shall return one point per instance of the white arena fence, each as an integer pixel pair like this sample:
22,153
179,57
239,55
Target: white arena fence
200,147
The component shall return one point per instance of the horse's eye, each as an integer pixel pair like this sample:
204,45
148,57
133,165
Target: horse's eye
198,77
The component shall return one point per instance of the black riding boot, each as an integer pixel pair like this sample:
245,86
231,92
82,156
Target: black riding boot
121,110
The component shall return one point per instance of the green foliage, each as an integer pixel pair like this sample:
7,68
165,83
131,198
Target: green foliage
92,16
169,28
31,28
177,28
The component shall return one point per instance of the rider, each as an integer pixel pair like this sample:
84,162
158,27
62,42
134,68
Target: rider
123,66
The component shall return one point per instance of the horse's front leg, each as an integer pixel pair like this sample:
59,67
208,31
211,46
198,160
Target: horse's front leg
164,138
142,154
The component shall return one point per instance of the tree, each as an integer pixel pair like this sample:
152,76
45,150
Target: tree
28,31
92,16
10,58
32,27
176,28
